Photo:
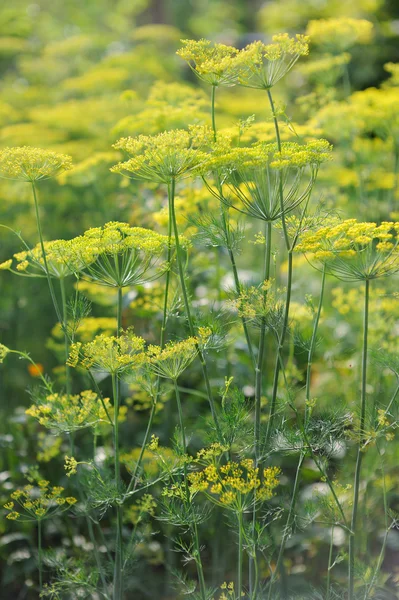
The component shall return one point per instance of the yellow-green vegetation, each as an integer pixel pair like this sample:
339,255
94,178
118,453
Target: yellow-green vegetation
194,349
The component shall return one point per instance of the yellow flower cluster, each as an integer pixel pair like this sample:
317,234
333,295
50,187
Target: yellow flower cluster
27,163
170,362
68,413
354,251
261,65
38,503
213,63
110,354
340,33
249,178
257,302
146,505
61,259
3,352
235,485
118,255
168,156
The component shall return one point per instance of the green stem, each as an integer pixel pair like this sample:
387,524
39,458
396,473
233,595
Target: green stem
39,552
286,531
39,229
238,290
313,345
240,555
356,485
133,480
328,584
213,90
118,569
118,566
66,338
273,402
188,310
198,561
258,396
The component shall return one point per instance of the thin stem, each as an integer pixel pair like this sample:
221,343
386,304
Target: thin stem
213,90
240,555
313,345
198,561
286,531
188,311
277,367
133,480
118,568
258,396
328,584
356,485
66,338
89,523
39,229
39,552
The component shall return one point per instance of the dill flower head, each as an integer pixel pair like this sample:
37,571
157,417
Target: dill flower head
38,502
259,305
173,359
340,33
3,352
235,485
249,178
354,251
67,413
263,65
110,354
60,257
164,157
30,164
213,63
118,255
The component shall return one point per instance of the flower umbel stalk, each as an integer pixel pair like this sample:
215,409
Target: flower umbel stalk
188,310
359,458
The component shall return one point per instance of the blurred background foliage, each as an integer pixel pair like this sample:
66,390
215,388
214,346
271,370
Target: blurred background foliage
75,76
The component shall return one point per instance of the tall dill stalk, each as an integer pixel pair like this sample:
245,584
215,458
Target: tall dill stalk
188,310
284,328
118,566
359,457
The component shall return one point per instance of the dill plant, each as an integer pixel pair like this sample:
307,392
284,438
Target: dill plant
249,174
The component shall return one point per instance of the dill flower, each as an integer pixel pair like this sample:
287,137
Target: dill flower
109,354
170,362
67,413
164,157
354,251
3,352
118,255
259,305
61,260
213,63
249,178
263,65
38,502
236,485
30,164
